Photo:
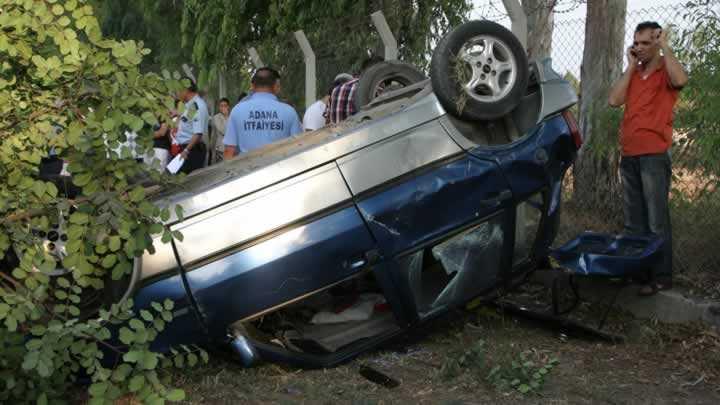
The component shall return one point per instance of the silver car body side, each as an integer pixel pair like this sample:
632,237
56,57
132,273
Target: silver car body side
244,198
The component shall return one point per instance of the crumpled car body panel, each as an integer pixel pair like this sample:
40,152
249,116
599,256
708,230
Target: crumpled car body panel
403,196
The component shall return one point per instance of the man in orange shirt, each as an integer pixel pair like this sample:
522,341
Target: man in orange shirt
648,89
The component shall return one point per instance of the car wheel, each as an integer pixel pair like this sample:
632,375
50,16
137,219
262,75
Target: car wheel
91,300
383,77
479,71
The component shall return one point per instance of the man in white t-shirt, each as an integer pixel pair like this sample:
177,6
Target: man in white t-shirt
314,117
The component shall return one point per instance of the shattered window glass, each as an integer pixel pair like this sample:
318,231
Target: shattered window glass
457,269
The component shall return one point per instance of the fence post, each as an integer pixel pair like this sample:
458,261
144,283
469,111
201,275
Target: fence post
518,20
222,84
388,39
255,57
310,78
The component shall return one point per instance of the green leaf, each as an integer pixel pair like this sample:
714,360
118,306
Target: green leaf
98,389
137,194
108,124
136,324
38,188
175,395
58,9
43,369
73,310
136,383
179,212
109,261
192,359
159,324
150,361
169,304
156,228
51,190
146,315
133,356
178,235
79,218
42,399
64,21
156,306
114,243
63,282
167,237
149,118
19,273
121,372
5,309
524,388
82,179
31,361
126,336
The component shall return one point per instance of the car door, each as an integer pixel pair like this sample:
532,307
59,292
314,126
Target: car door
437,213
272,247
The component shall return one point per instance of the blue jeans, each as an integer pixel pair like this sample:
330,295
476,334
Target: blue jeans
646,190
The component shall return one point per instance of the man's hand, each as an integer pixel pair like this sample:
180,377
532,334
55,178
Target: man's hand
661,38
184,154
631,58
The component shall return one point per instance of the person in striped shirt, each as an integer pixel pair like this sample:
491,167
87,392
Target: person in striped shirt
342,99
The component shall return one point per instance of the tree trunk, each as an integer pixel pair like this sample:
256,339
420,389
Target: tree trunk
596,177
540,25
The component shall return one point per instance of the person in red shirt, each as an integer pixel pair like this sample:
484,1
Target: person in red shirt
648,89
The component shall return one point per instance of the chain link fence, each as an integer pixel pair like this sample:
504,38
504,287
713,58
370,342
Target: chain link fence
694,197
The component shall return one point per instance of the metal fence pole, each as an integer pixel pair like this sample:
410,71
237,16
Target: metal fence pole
255,57
222,84
310,78
388,39
518,19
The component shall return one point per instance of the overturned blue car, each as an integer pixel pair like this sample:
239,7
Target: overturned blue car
438,191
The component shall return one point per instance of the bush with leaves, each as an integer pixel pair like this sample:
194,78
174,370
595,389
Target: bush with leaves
699,50
64,89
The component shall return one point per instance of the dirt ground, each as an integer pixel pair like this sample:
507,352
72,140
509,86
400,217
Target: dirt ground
658,364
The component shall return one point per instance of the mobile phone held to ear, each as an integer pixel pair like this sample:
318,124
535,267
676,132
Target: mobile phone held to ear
633,52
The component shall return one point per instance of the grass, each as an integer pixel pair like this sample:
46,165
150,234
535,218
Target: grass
659,364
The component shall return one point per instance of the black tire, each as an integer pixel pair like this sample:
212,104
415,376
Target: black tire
396,74
444,72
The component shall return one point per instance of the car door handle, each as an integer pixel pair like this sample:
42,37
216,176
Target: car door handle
497,198
359,261
356,264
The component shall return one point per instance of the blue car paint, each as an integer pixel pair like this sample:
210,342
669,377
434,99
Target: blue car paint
537,161
289,265
185,327
395,220
416,211
602,255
